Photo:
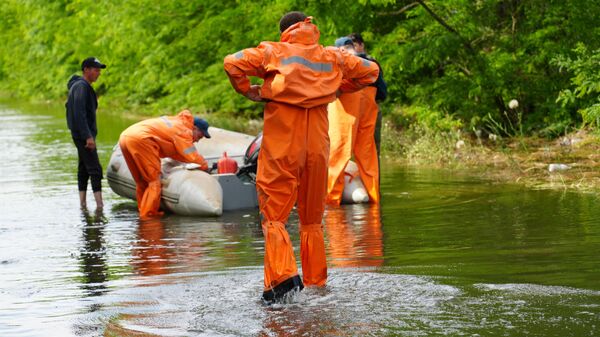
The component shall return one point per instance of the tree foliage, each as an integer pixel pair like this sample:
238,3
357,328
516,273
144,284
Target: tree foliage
458,59
585,94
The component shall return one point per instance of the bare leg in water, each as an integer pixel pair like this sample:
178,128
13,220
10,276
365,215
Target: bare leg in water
82,199
98,198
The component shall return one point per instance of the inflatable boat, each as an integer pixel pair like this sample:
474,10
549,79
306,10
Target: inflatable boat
189,191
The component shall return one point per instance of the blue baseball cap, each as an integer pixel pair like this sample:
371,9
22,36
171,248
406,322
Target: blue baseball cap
202,125
343,41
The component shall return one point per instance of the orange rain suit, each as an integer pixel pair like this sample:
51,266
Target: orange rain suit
300,78
352,119
144,143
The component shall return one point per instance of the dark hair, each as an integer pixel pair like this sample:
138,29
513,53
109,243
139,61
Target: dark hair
349,46
356,38
289,19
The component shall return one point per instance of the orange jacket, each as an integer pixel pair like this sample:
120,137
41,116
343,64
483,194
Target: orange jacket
173,135
283,66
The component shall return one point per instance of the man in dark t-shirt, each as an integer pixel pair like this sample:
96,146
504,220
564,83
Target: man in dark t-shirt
81,118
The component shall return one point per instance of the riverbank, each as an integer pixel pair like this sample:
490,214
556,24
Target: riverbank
571,162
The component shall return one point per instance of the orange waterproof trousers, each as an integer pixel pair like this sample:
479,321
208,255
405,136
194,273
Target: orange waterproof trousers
292,167
352,119
143,160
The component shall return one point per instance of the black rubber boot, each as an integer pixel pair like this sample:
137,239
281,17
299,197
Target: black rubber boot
277,293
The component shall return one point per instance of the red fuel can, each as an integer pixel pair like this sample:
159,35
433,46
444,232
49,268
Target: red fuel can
226,164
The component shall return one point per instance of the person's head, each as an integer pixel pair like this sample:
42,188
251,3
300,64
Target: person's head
90,68
290,19
200,129
345,43
359,43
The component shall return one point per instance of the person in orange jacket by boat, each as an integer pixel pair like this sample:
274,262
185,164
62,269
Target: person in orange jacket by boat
143,145
352,119
300,78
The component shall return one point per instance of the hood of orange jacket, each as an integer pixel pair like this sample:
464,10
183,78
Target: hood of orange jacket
302,32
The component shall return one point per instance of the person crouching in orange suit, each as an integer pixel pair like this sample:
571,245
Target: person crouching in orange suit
300,78
352,119
143,145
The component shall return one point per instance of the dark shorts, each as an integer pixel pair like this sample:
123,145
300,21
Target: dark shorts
89,167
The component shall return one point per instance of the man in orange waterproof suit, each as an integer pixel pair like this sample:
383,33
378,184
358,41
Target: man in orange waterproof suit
300,78
352,119
143,145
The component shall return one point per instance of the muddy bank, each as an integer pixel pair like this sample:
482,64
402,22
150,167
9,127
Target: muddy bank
569,162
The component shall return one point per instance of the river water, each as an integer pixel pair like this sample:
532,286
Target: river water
447,253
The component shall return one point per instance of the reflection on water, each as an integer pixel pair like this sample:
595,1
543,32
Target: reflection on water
445,254
151,255
355,237
93,253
